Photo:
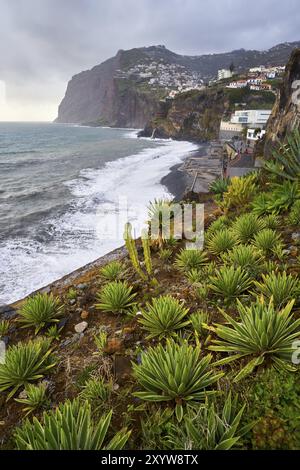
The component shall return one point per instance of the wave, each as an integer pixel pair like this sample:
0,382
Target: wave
103,199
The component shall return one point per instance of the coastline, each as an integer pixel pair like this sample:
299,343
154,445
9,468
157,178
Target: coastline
176,182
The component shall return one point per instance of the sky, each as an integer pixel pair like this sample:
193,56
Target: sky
43,43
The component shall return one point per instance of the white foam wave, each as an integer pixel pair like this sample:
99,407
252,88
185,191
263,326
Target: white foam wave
80,236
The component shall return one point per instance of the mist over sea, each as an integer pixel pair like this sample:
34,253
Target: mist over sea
60,185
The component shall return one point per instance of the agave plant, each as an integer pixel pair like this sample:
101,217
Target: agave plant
36,398
262,333
69,427
266,240
261,204
165,254
230,282
96,391
211,429
279,286
40,310
219,186
190,259
194,276
113,271
221,241
294,215
286,158
284,195
246,227
270,221
217,225
247,257
25,363
4,328
160,214
175,373
198,321
163,317
116,297
240,192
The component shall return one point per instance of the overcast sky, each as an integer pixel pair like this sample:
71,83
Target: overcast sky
44,42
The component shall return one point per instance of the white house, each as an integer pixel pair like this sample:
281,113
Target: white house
253,135
224,73
251,117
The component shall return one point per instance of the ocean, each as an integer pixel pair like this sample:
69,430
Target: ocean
64,191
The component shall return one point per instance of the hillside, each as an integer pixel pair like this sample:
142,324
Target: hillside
125,90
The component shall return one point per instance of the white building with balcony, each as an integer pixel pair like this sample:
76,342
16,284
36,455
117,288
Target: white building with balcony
224,73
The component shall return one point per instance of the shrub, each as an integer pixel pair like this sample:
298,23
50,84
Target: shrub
4,328
270,221
194,276
240,192
246,227
280,287
40,310
113,271
221,241
246,257
230,282
69,427
100,341
36,398
211,429
262,332
190,259
175,373
53,333
165,254
266,240
219,186
217,225
261,204
163,317
96,391
160,213
283,196
294,216
286,159
25,363
115,297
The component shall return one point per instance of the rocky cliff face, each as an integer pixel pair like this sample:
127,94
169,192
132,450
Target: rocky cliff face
286,113
116,93
195,115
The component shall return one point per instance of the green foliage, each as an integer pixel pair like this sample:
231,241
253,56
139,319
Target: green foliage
163,317
294,215
100,341
219,224
113,271
221,241
280,287
53,333
190,259
132,250
219,186
199,320
72,294
96,391
270,221
262,332
194,276
25,363
261,204
160,214
69,427
155,429
273,402
247,257
40,310
284,195
246,226
286,159
175,373
165,254
4,328
240,192
36,398
266,240
147,252
230,282
115,297
210,428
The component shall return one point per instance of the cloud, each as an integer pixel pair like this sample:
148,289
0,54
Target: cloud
44,42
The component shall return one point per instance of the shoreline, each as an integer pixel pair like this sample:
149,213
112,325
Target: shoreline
177,182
